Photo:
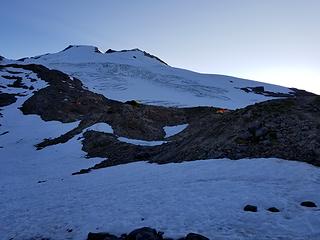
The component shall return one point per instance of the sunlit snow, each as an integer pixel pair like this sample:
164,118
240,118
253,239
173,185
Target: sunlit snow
131,75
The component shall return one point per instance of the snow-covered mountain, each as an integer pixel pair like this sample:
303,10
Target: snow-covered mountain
52,126
135,74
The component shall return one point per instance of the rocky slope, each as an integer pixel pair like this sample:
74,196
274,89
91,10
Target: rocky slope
48,119
286,128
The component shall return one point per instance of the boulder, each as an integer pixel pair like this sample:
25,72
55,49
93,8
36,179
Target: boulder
101,236
195,236
250,208
273,209
308,204
144,233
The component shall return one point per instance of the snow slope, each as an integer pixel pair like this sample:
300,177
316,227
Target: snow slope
203,196
132,74
40,198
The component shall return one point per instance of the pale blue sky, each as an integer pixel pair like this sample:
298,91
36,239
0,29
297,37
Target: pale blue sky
275,41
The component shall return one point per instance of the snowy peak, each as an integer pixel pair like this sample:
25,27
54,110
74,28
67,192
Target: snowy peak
123,75
85,48
75,54
71,54
137,51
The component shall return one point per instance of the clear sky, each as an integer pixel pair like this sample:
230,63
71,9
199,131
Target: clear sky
275,41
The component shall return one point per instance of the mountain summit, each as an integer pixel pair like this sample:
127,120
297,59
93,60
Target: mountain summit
86,53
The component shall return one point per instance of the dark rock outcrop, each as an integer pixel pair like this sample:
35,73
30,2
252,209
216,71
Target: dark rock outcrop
285,128
110,51
7,99
261,90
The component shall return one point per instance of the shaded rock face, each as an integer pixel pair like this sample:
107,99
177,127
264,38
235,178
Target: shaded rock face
284,128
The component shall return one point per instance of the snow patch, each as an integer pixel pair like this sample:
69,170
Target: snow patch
100,127
29,79
173,130
140,142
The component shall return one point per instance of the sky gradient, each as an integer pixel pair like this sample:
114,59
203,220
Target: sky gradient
275,41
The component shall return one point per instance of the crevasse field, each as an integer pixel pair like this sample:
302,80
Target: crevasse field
132,75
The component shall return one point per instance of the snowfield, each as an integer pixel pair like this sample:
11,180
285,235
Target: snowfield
131,75
40,197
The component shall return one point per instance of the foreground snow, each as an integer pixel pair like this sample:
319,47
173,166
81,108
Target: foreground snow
202,196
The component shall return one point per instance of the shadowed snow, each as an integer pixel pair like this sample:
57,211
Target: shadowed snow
173,130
